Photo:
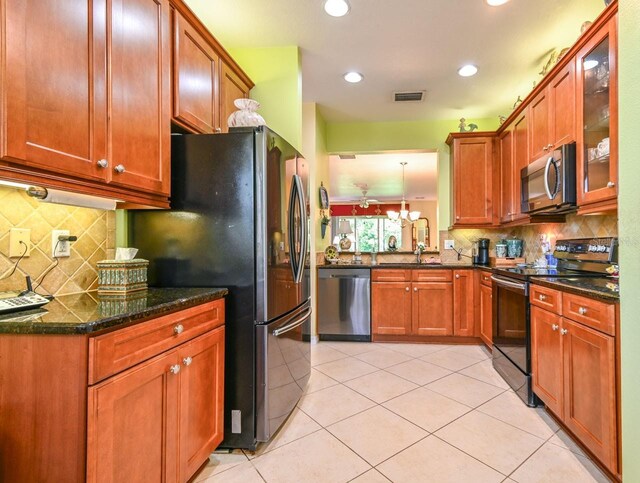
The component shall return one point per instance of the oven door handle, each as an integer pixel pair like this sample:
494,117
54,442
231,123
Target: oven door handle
509,283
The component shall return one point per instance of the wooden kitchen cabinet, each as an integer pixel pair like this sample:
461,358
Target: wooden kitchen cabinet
463,303
232,87
508,199
391,308
574,372
196,68
432,308
597,87
546,357
472,178
89,108
486,314
539,125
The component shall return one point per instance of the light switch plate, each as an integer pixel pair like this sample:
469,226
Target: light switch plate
449,244
17,235
60,248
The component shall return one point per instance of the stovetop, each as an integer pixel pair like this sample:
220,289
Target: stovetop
526,273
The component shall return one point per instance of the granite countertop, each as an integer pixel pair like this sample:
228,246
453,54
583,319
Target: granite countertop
87,312
399,265
606,289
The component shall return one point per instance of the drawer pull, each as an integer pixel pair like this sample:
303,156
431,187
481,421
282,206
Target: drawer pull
407,289
542,297
564,331
174,369
457,275
103,163
555,327
611,184
178,329
119,169
187,361
582,310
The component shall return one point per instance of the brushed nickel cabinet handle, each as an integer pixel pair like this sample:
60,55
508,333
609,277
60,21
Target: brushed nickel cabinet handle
610,184
174,369
178,329
218,129
187,361
415,289
582,310
119,169
555,327
103,163
457,275
407,289
564,331
542,297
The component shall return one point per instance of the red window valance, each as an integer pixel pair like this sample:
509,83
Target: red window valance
373,210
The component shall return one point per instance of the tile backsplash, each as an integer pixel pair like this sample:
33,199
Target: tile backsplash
95,230
575,227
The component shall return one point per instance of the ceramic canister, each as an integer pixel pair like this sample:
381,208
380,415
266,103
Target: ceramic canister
501,249
514,247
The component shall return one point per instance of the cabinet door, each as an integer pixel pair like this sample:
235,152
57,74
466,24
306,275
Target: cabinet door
195,73
54,100
539,118
391,308
473,181
562,97
132,424
140,115
520,160
463,303
597,86
432,308
590,389
546,358
486,314
201,400
507,195
231,88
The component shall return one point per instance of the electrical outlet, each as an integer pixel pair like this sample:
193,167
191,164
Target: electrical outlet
16,236
449,244
60,248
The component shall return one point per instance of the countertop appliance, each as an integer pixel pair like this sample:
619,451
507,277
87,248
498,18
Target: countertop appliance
344,304
511,311
239,219
481,252
549,183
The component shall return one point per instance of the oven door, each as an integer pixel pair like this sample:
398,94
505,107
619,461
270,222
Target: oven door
511,320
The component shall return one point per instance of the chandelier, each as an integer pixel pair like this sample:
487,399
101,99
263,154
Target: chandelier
405,217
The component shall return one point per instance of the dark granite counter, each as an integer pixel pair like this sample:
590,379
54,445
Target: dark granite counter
87,313
398,265
606,289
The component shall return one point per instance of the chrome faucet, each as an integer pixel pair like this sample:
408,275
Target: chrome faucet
418,256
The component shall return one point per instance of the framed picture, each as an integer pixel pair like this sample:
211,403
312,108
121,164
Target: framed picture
324,198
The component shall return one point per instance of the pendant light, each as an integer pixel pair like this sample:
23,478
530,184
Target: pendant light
404,216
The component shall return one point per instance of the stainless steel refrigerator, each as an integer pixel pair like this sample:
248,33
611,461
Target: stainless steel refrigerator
239,218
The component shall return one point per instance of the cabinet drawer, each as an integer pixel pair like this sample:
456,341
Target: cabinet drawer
430,275
390,275
593,313
546,298
485,278
113,352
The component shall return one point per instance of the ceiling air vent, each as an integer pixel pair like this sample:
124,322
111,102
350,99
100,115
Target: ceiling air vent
347,156
416,96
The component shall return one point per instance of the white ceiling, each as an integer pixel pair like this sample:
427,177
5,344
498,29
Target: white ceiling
382,174
407,45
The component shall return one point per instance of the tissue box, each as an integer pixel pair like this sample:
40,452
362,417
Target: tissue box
122,276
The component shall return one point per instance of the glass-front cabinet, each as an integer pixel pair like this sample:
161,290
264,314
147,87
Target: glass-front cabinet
597,150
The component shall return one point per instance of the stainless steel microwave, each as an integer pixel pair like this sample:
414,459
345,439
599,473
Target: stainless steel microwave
549,183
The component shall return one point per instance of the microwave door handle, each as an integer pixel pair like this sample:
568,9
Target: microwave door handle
546,177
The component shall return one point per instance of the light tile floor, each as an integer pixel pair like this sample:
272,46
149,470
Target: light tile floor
408,413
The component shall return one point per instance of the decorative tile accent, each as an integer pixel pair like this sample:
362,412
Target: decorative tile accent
95,230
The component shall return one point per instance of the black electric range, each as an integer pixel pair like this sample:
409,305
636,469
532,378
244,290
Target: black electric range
577,258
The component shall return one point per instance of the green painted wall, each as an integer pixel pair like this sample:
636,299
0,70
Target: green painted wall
359,137
629,231
278,89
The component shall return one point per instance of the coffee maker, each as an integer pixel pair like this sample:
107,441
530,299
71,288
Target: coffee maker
481,252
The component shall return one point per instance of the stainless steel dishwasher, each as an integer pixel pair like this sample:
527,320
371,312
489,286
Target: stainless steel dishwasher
344,304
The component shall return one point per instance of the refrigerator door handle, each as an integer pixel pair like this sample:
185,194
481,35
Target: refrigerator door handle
296,323
304,230
293,260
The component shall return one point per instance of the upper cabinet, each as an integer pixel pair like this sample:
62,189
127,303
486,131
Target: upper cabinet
472,178
232,87
195,75
89,103
597,148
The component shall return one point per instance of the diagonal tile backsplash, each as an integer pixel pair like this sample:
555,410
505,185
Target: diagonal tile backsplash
95,230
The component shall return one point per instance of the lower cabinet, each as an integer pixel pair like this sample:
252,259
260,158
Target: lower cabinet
486,313
422,302
574,373
159,420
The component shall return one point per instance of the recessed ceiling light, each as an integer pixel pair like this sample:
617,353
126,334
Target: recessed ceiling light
467,70
496,3
590,64
353,77
336,8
